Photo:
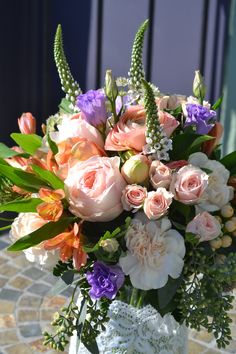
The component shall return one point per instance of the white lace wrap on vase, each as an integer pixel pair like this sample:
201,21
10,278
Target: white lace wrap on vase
132,330
135,331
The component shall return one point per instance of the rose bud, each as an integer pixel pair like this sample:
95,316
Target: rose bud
27,123
136,169
110,245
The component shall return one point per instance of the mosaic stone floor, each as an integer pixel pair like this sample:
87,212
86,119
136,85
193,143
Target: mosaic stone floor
26,310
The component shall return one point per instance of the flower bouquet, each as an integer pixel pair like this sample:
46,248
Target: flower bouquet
127,200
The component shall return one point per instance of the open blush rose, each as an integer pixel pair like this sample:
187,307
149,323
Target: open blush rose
94,188
205,226
133,197
168,122
160,175
129,132
157,203
189,184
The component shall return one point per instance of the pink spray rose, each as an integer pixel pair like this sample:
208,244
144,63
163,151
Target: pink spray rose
27,123
160,175
188,184
133,197
129,132
94,188
168,122
157,203
205,226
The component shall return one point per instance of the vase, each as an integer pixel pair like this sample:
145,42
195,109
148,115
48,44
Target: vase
133,330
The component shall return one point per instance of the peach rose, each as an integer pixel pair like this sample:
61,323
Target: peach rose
189,184
129,132
94,188
74,126
205,226
133,197
157,203
73,150
168,122
160,175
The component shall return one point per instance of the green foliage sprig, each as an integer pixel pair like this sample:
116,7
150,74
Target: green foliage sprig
6,192
202,300
69,85
136,72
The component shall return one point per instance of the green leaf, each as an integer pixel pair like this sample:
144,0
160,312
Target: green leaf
167,292
217,104
229,161
185,144
198,142
64,106
46,232
52,144
6,152
68,276
48,177
22,205
191,238
22,179
28,142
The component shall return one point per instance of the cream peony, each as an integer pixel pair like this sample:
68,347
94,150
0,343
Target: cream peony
205,226
155,251
94,189
217,193
23,225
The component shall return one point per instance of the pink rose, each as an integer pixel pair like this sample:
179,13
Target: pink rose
168,122
157,203
160,175
129,132
76,127
188,184
133,196
205,226
94,188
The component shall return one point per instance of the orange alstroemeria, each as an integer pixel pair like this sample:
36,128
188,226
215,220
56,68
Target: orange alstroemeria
70,246
52,208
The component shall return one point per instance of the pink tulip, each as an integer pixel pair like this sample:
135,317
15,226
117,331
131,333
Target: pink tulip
27,123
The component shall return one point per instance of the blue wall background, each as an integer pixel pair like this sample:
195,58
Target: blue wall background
184,35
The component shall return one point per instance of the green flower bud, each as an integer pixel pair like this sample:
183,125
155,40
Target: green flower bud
199,88
110,245
136,169
110,86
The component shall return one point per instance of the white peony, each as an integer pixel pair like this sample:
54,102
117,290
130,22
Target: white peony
155,251
217,193
23,225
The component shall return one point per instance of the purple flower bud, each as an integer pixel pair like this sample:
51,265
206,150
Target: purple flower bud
202,117
105,280
92,105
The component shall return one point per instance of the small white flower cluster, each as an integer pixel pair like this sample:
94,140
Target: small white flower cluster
158,145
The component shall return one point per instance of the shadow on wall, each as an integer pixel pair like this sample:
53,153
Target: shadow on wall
228,115
28,76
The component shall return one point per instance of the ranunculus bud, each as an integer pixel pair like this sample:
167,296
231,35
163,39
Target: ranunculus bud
27,123
110,245
199,88
111,89
136,169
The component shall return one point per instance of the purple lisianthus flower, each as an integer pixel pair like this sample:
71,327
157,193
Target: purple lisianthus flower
93,107
105,280
202,117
